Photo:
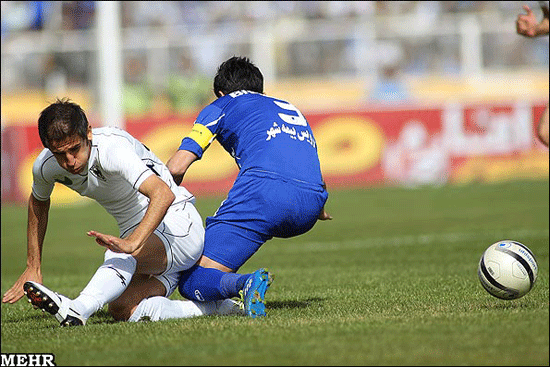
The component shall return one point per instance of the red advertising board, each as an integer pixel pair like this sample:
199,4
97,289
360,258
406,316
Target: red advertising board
451,144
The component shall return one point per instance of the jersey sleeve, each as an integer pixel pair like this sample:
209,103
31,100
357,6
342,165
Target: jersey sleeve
204,130
123,160
42,184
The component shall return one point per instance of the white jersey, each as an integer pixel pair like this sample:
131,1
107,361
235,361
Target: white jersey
117,166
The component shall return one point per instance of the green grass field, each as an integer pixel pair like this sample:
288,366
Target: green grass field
392,280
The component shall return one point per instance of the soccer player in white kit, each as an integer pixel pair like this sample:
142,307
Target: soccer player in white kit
161,232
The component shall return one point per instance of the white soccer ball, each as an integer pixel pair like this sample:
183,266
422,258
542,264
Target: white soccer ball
507,269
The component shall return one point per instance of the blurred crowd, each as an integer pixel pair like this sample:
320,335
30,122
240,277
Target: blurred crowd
408,44
70,15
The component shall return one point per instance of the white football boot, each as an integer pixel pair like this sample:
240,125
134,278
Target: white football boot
54,303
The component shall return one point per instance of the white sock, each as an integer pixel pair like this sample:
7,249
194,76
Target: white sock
162,308
107,284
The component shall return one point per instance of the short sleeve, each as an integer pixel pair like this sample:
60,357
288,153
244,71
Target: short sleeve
204,130
122,159
42,187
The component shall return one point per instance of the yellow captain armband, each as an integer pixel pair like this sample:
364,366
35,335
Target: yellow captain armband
201,135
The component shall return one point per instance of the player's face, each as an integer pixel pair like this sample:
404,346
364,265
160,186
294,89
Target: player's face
72,154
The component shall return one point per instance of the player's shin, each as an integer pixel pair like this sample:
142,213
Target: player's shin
209,284
161,308
107,284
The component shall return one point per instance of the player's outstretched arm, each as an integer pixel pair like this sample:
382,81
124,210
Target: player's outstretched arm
542,128
36,231
160,198
179,163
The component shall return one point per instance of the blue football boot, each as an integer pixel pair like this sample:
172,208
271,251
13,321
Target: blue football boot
253,293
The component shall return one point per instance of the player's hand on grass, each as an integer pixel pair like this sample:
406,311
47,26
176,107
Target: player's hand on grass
113,243
15,293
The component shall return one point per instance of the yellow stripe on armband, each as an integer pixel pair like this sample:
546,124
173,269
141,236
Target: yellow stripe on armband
201,135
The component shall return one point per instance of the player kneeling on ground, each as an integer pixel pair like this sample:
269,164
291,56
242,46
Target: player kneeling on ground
161,232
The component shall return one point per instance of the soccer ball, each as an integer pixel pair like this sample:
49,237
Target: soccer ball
507,270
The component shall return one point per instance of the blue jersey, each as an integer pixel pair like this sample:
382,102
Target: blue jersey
265,135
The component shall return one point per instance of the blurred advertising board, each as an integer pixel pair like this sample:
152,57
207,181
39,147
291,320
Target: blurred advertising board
448,144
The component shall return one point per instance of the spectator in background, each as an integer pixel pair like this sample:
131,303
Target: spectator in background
528,25
23,15
188,88
389,87
138,95
78,14
55,76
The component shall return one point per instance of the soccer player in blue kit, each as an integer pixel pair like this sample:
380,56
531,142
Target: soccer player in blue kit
279,191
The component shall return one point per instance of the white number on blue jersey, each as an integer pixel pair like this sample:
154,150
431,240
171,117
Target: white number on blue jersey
299,120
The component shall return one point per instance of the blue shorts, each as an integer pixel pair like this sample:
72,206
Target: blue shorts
257,209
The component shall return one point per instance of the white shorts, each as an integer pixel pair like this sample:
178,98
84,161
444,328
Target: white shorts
182,233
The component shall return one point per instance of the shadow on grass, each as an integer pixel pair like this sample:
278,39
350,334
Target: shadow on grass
294,304
100,317
509,305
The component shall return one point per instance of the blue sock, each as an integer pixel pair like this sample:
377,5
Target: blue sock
232,283
209,284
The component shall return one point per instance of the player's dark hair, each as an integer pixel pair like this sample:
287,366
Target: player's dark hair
61,120
238,73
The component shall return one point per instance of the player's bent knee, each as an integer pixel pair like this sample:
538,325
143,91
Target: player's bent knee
206,262
142,286
120,311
